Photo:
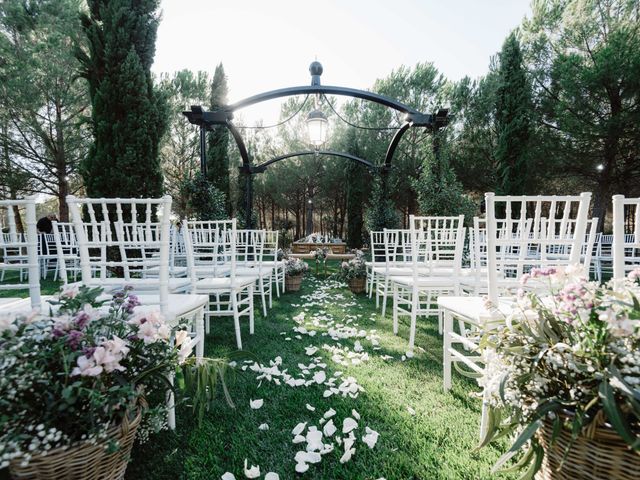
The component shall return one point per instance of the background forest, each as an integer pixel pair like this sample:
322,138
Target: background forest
558,112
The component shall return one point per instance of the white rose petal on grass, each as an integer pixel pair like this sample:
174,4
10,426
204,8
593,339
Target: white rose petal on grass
329,429
347,455
349,424
297,430
299,439
355,414
272,476
256,404
371,437
319,377
263,427
301,467
411,411
311,408
310,350
228,476
253,472
314,440
329,413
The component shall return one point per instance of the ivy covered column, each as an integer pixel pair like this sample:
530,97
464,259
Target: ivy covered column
245,197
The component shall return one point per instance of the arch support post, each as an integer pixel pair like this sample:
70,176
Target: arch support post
247,180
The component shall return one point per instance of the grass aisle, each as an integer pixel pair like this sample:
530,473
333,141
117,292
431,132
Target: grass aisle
436,442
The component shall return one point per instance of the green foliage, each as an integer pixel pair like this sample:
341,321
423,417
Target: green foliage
513,112
180,147
381,212
356,176
218,139
128,112
204,200
584,56
439,192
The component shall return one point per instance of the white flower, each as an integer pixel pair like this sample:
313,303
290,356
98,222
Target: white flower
272,476
256,404
70,291
86,367
228,476
253,472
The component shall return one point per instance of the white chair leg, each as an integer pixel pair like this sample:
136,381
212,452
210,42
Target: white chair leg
446,350
415,301
395,310
199,327
171,407
263,297
251,316
270,293
236,318
275,278
385,295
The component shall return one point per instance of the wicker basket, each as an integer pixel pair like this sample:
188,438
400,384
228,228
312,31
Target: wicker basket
357,285
292,282
83,461
599,453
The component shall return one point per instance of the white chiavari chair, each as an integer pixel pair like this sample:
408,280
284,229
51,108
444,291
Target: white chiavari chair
436,260
250,250
20,253
212,262
377,258
270,259
523,232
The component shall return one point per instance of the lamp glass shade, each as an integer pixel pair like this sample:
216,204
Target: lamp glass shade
318,126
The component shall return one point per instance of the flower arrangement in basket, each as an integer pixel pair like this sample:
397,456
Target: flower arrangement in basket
562,376
354,272
78,385
294,269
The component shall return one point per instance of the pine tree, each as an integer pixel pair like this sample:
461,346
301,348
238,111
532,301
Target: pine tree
128,114
381,212
356,194
513,114
218,142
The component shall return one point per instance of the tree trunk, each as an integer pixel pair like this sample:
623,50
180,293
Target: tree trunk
61,167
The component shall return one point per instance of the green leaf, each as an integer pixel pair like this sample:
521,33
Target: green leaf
615,416
524,436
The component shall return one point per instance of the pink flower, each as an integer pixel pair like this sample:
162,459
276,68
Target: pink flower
70,291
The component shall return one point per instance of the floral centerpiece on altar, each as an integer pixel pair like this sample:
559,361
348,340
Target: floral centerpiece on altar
71,378
562,376
320,254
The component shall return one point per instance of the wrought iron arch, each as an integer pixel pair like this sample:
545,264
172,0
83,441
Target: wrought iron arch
207,120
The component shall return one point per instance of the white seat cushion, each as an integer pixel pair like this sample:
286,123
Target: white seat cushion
265,271
426,282
179,304
224,283
22,306
473,308
139,284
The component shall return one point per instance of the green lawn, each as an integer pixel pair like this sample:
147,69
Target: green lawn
435,443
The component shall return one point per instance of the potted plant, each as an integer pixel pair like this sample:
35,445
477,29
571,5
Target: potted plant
354,272
562,376
78,386
320,255
294,269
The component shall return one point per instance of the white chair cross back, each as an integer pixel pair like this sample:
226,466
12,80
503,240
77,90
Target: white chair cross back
250,250
68,260
19,253
523,232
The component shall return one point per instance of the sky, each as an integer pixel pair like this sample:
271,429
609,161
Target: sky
269,44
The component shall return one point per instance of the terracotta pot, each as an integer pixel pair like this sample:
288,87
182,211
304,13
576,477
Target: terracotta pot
357,285
292,282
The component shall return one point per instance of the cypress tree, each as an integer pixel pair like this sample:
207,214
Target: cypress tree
513,113
356,194
217,148
128,114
